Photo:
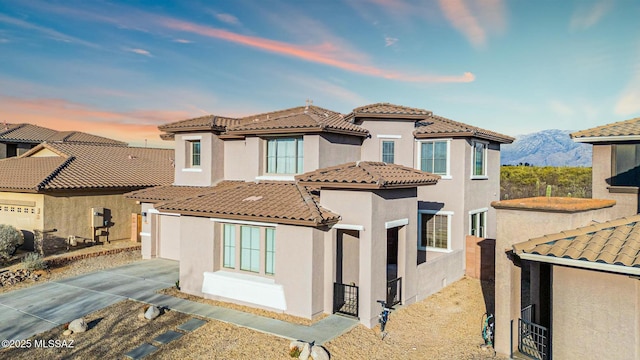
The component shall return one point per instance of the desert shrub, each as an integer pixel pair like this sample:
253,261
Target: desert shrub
34,261
10,239
528,181
295,352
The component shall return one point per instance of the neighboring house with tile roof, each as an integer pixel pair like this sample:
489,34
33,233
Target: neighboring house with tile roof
16,139
378,201
56,186
568,282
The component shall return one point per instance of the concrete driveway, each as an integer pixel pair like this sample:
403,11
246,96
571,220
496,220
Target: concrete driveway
29,311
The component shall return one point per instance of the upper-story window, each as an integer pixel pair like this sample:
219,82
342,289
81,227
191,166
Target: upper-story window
479,160
434,157
388,151
193,153
285,155
625,164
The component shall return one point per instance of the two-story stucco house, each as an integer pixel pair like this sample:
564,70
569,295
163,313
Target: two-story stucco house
568,287
309,211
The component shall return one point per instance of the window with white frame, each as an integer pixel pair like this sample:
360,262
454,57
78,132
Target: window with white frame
193,153
434,156
478,223
285,155
270,251
388,151
434,231
229,246
479,162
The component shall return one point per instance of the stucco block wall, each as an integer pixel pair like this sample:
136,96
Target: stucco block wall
596,315
70,213
439,272
515,226
197,252
211,160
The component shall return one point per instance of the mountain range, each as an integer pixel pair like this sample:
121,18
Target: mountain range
546,148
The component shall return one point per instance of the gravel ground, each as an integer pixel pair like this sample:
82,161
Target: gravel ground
78,267
446,325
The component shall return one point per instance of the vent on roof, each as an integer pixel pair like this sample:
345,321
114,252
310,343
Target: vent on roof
253,198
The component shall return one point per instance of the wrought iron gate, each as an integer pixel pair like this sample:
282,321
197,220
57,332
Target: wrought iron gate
533,339
345,299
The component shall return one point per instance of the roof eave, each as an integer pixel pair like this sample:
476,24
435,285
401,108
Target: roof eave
392,116
284,221
463,134
360,186
614,138
628,270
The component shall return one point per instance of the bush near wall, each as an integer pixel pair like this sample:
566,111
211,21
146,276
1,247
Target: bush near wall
529,181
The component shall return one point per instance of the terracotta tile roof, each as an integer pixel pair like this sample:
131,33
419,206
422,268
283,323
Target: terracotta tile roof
203,123
436,126
615,242
276,202
554,204
389,110
25,133
166,193
622,128
80,166
83,138
299,119
28,133
368,174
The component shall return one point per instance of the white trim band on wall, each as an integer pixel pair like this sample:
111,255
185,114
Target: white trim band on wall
478,211
191,170
395,223
242,222
154,211
192,137
348,227
381,136
276,177
145,234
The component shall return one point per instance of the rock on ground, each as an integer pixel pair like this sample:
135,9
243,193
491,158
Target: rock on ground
78,325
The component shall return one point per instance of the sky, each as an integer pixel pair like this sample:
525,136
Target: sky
121,68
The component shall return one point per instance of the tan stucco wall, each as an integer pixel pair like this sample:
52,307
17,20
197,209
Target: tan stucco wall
404,147
21,220
197,252
299,268
147,231
596,315
211,160
626,204
515,226
335,149
243,159
371,210
167,237
70,213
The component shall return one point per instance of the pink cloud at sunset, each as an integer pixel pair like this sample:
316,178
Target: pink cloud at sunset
132,126
325,53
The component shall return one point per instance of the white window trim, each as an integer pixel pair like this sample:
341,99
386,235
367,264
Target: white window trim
446,176
154,211
187,140
192,137
348,227
276,177
478,211
395,223
486,160
192,169
389,136
449,215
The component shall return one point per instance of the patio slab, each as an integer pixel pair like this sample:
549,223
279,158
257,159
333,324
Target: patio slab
141,351
191,325
168,337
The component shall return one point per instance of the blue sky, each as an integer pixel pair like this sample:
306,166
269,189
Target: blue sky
119,69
